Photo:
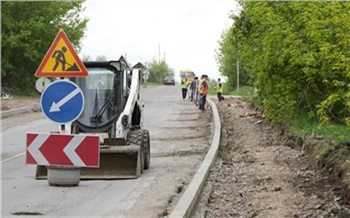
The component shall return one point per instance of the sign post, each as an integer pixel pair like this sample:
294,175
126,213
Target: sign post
62,102
41,84
145,77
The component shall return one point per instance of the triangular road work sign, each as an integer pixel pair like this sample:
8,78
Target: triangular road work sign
61,60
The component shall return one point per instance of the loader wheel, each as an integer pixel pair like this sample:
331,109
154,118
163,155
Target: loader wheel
136,138
147,146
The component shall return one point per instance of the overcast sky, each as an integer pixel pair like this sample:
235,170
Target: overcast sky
183,32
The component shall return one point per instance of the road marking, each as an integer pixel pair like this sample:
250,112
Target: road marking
34,147
69,150
10,158
56,106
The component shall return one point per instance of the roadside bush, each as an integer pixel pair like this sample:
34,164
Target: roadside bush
298,57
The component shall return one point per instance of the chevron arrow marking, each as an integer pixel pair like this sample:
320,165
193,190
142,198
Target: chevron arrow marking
63,150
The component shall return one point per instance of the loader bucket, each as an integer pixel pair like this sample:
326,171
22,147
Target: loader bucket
116,162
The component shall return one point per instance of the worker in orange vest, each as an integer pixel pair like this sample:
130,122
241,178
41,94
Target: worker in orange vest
203,91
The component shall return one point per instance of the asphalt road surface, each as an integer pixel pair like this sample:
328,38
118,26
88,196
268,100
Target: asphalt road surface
180,137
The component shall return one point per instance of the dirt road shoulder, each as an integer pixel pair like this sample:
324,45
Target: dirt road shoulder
264,172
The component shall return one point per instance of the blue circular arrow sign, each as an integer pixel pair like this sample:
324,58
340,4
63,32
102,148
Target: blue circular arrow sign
62,101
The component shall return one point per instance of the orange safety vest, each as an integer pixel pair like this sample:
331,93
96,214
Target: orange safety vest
204,88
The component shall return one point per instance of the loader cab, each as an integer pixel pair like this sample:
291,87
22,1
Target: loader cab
105,92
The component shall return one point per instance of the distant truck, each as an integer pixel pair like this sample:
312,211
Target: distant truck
187,74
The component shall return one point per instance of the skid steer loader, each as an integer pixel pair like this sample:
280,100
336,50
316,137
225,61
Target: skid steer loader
114,111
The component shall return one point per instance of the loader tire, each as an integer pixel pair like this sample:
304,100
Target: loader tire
136,138
147,146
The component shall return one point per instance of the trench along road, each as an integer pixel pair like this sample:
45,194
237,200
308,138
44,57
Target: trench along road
181,136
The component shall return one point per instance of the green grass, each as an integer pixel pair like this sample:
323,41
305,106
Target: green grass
243,91
212,92
302,125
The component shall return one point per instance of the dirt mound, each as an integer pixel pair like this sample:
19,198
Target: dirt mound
263,171
334,165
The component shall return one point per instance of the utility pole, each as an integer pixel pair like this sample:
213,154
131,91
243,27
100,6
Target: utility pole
159,54
164,56
237,73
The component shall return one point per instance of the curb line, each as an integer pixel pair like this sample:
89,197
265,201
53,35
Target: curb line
9,113
188,200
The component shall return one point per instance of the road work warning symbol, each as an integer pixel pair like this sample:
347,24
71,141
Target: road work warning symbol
61,60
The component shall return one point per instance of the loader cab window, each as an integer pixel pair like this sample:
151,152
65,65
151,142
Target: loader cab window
99,78
98,89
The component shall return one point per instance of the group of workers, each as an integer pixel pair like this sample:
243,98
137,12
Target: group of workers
199,90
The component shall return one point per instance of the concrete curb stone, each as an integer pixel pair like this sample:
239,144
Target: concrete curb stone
12,112
189,198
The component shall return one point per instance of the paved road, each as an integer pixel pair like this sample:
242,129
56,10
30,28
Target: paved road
179,140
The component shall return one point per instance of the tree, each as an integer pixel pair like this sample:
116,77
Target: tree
297,57
27,31
101,58
158,70
86,58
230,50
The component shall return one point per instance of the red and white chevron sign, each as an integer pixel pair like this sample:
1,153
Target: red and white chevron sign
63,150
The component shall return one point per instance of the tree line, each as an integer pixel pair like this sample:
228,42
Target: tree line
27,31
296,54
158,70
